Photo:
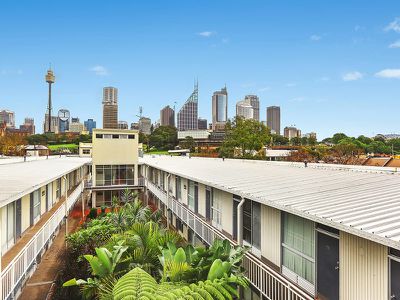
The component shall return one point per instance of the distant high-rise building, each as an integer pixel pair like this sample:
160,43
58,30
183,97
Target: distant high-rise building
219,109
244,109
64,119
122,125
274,119
90,124
202,124
54,124
310,135
50,79
167,116
255,103
76,127
7,117
110,108
145,125
75,120
28,126
248,108
135,126
291,132
187,115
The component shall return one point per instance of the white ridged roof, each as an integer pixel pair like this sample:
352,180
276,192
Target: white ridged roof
18,178
364,201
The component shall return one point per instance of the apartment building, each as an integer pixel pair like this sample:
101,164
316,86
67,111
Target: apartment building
114,164
316,232
36,195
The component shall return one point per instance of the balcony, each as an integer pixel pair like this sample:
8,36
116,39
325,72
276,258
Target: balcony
19,263
269,282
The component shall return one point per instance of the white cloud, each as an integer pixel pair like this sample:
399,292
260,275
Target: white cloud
99,70
206,33
291,84
389,73
351,76
395,45
395,25
315,37
264,89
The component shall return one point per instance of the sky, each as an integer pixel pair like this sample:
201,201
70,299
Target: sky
332,66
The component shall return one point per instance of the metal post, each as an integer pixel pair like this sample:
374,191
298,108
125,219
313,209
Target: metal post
168,220
65,205
240,221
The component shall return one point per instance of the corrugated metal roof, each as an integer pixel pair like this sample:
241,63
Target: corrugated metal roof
364,201
18,178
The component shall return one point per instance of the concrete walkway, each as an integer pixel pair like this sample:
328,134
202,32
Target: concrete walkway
39,284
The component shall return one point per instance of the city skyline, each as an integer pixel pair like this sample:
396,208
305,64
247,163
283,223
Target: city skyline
318,73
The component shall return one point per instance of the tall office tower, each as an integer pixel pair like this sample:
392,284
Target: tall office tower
219,109
274,119
145,125
135,126
76,126
75,120
122,125
63,116
110,108
90,124
28,126
244,110
50,79
255,103
7,117
291,132
202,124
54,122
167,116
187,115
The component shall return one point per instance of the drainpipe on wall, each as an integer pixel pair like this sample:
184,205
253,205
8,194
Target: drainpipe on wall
240,222
168,220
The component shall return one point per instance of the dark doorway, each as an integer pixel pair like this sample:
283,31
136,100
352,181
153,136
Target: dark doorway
18,210
327,267
394,279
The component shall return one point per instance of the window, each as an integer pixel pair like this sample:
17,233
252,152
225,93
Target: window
252,223
123,136
216,208
115,136
114,175
162,180
298,247
191,194
107,136
99,136
36,204
131,136
178,188
86,151
58,188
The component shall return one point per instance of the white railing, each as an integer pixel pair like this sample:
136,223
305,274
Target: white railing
74,196
268,281
18,270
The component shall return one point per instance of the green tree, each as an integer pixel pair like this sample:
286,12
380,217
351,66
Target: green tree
245,135
337,137
295,141
164,138
188,143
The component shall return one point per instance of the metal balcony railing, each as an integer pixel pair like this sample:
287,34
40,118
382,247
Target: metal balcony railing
269,282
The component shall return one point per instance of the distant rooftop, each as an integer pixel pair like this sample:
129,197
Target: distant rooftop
361,200
18,178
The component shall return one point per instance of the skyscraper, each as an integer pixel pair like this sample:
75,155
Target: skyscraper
55,121
274,119
122,125
110,108
28,126
244,109
7,117
249,108
291,132
202,124
50,79
64,119
90,124
255,103
145,125
167,116
187,115
219,109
